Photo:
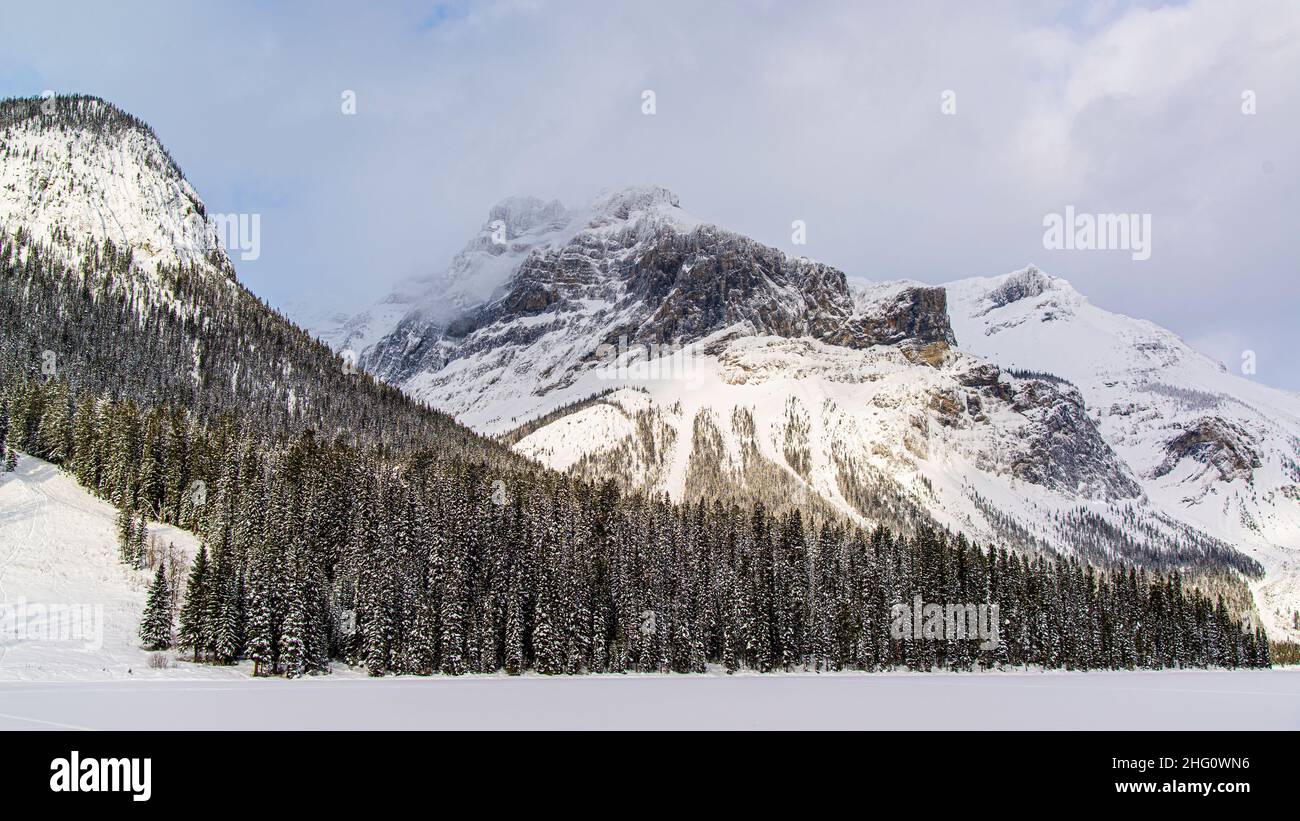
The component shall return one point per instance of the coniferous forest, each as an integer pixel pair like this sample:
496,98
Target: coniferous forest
342,521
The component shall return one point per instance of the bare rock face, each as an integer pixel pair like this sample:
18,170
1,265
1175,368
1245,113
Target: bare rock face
918,313
1216,443
1065,451
674,287
416,345
1024,284
708,279
1062,448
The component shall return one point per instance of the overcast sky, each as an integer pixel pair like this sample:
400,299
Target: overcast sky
766,112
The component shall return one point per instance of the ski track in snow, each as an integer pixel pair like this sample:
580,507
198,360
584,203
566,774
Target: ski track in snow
58,546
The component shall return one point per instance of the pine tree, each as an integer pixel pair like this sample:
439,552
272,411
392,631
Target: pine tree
140,547
293,657
514,658
196,629
228,639
156,623
547,648
126,538
4,426
261,627
55,430
453,633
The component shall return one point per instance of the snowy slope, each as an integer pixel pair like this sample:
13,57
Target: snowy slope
89,172
881,435
1211,448
58,549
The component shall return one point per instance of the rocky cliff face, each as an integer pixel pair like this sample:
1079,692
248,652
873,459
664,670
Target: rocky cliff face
682,286
1062,449
635,271
1216,443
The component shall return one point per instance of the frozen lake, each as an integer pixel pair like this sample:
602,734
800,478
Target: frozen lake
1262,699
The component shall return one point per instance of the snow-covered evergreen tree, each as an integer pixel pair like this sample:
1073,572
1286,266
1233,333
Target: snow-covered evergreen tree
195,625
156,622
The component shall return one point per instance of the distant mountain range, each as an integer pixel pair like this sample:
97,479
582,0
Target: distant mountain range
629,339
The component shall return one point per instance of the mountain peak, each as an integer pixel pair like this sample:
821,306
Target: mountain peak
622,204
76,111
80,167
636,197
80,109
520,215
1027,282
1027,285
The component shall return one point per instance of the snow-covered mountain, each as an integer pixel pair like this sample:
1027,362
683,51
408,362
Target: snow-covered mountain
1212,449
630,340
77,170
629,275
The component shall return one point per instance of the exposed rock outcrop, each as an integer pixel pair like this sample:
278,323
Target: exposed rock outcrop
1215,443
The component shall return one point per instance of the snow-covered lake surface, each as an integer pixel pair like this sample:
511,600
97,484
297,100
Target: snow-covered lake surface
1263,700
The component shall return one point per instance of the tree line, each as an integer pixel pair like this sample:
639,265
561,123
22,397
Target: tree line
324,551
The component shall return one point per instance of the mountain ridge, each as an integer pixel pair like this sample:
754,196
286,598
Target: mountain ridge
545,341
